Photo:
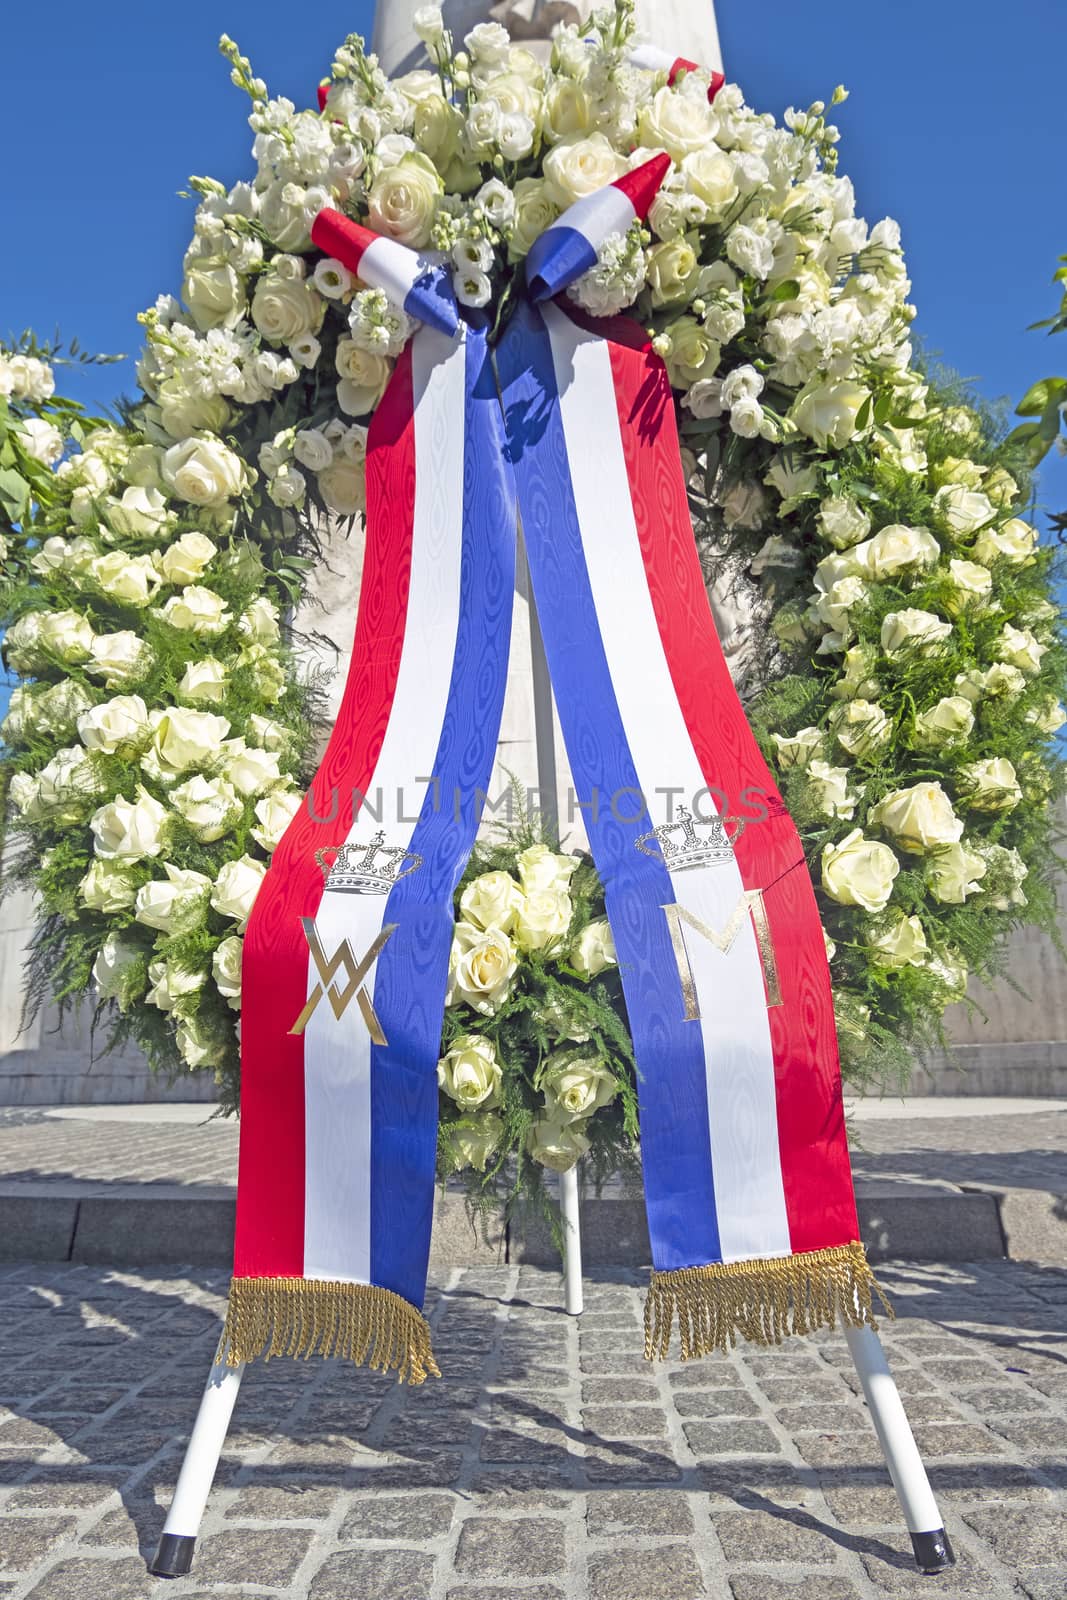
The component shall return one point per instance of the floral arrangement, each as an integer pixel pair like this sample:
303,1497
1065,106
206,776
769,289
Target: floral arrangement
161,734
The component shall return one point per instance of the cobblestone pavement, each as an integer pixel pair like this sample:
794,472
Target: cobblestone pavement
1027,1151
550,1464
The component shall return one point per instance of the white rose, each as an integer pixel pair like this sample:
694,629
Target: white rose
260,621
182,739
208,805
62,786
172,984
60,635
578,165
861,726
557,1145
472,1147
900,943
671,270
236,888
793,479
921,631
196,610
284,309
118,657
1014,542
403,200
199,1042
972,586
226,969
566,109
174,904
542,919
950,721
482,967
797,749
205,679
203,471
953,873
828,412
251,771
141,513
185,560
859,872
1048,717
183,414
677,123
990,785
535,210
744,505
274,813
964,510
131,579
594,949
112,968
1007,873
709,174
271,735
1020,648
491,900
897,548
107,888
540,868
343,487
842,521
117,722
41,440
693,354
574,1086
830,791
919,818
214,294
312,448
470,1073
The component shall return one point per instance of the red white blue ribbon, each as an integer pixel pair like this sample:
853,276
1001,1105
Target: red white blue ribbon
419,283
569,247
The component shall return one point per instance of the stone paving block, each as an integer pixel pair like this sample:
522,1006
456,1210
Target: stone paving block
377,1575
100,1579
668,1572
538,1593
1048,1583
759,1586
619,1391
59,1489
708,1404
642,1511
519,1547
414,1517
624,1462
1023,1536
25,1541
624,1422
252,1555
794,1536
731,1438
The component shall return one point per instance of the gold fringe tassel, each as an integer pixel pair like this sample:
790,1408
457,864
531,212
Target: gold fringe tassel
303,1317
761,1300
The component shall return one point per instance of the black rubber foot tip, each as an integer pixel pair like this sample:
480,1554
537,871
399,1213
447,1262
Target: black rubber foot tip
175,1555
933,1552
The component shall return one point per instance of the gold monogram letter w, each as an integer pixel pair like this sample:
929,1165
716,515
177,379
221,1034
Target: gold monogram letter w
751,901
355,972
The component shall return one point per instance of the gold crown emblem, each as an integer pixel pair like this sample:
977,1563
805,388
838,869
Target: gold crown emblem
687,843
366,868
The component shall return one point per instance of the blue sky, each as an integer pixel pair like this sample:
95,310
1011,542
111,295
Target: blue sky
954,127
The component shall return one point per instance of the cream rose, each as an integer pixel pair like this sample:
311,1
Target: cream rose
187,558
828,412
672,268
285,309
472,1147
859,872
594,949
899,943
797,749
174,904
343,486
482,967
964,510
1013,542
114,969
200,1042
209,806
950,721
205,679
567,110
541,868
535,210
120,721
1020,648
972,586
236,888
860,727
578,165
990,785
403,200
897,549
62,635
214,294
226,969
709,174
131,579
196,610
469,1073
107,888
919,818
692,354
251,771
129,830
678,123
118,657
182,739
542,920
842,521
574,1086
171,984
1048,717
491,900
912,629
829,790
203,471
555,1144
363,380
954,872
141,513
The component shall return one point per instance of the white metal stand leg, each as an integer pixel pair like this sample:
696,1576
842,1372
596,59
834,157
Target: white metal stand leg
572,1241
175,1553
933,1552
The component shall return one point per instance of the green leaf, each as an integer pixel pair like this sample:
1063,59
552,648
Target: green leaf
782,291
1046,392
882,407
14,493
863,416
1050,422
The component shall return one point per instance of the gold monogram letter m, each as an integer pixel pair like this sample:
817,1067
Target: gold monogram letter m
751,901
355,970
